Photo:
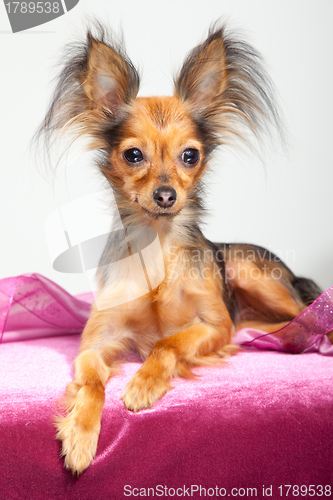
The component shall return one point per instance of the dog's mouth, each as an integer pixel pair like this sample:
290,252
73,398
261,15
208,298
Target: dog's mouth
157,215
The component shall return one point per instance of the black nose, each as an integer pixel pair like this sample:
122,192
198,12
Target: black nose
165,196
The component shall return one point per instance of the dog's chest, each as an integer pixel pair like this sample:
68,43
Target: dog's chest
177,301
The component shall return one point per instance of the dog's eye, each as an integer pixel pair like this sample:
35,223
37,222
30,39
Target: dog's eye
133,155
190,156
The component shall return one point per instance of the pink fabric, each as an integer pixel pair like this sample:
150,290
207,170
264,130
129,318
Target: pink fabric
306,333
262,418
32,306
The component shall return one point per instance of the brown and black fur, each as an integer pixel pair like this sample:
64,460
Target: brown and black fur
146,146
268,298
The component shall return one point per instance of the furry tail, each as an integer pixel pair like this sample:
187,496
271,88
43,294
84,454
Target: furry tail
307,290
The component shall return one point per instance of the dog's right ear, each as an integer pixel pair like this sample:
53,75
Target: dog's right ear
110,80
96,85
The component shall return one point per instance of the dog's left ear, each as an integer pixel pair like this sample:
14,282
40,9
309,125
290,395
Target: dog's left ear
224,86
203,75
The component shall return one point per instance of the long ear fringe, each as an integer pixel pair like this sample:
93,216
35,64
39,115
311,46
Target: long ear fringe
70,109
246,102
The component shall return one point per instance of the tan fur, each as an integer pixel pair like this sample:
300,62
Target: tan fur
186,320
182,323
161,127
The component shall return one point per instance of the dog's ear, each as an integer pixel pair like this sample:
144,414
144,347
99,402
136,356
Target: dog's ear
96,85
224,86
110,80
203,75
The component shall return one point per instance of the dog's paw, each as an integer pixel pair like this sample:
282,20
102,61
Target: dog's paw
143,390
79,443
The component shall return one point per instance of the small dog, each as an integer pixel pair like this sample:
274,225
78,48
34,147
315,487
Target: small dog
154,152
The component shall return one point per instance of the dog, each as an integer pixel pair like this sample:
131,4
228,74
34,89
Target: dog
154,152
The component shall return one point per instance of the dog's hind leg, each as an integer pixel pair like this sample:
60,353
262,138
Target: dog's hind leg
266,293
261,325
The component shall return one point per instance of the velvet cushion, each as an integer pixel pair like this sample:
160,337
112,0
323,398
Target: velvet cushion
263,418
260,420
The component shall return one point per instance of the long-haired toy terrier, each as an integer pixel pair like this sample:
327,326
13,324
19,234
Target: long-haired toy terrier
154,151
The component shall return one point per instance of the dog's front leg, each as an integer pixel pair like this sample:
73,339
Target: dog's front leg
172,356
84,398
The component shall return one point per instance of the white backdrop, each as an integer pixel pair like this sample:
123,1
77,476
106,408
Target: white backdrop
284,205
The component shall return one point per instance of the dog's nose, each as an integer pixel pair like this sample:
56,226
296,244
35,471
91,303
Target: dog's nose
164,196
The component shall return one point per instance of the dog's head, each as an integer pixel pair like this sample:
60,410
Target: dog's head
156,149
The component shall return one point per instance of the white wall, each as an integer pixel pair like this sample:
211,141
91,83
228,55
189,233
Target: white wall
284,205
